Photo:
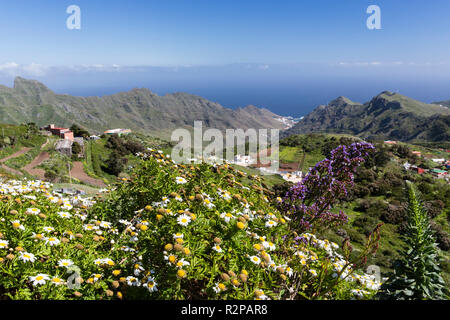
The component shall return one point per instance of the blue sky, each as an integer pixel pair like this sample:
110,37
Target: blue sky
287,56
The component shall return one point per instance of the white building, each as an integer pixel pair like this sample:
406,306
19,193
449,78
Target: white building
294,177
243,160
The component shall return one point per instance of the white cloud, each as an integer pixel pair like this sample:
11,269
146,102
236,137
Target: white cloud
15,69
8,67
39,70
34,69
384,63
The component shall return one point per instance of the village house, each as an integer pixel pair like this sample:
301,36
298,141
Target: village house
64,146
63,133
440,161
390,142
243,160
438,173
117,131
294,177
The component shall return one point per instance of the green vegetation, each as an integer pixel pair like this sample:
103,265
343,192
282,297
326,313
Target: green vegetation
79,132
169,232
417,274
21,161
57,167
379,196
388,116
139,110
13,138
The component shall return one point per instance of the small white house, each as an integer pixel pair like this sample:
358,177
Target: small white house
243,160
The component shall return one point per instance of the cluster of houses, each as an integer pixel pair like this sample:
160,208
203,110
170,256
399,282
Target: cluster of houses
67,139
439,173
243,160
435,172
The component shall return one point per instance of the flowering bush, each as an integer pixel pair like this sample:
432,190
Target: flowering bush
310,201
169,232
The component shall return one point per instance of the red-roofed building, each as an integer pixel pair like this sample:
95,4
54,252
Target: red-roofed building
63,133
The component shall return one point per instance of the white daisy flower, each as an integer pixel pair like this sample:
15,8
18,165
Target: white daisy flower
48,229
17,225
138,269
65,263
207,203
39,279
3,244
184,220
180,180
105,224
57,281
271,224
227,216
289,271
133,281
181,263
219,287
151,285
255,260
26,256
34,211
64,214
313,272
52,241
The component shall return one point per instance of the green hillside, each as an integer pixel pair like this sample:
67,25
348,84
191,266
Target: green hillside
379,194
388,116
139,110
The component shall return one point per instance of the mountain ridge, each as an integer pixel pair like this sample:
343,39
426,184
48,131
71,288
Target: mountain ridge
138,109
386,116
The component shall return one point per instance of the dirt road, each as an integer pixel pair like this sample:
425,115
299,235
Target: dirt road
78,172
30,168
14,155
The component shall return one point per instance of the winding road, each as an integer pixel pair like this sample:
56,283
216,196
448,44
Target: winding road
14,155
78,172
30,168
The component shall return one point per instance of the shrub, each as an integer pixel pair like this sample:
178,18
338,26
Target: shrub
310,202
417,273
169,232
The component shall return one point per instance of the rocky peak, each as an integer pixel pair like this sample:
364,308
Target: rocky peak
30,87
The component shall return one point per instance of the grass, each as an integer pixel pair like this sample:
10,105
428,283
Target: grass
26,158
270,180
290,154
